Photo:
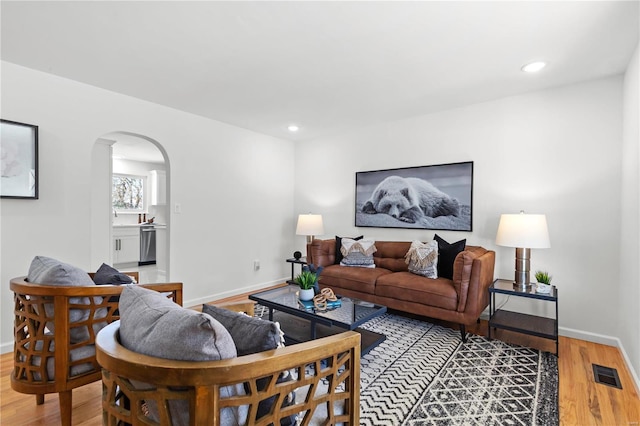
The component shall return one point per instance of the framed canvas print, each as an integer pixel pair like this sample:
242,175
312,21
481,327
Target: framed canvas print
19,160
427,197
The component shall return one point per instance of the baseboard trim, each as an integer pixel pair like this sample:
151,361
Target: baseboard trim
231,293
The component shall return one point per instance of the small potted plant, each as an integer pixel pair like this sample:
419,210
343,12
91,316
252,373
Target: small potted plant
306,280
544,282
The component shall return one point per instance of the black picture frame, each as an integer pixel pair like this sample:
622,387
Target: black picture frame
19,167
438,197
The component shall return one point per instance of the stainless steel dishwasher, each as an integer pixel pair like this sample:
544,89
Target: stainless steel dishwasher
147,245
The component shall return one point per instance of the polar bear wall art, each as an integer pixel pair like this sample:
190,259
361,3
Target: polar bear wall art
410,199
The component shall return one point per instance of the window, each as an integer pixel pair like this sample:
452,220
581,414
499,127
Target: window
127,193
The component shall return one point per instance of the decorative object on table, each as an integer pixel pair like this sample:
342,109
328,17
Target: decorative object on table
325,299
524,232
322,301
543,282
426,197
310,225
19,163
297,255
306,280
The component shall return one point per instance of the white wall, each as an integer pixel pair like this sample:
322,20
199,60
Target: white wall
555,152
235,188
629,300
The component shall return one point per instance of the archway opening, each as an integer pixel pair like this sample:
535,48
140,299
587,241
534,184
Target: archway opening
131,232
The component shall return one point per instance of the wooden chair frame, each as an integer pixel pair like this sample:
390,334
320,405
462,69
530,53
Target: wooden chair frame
34,344
333,360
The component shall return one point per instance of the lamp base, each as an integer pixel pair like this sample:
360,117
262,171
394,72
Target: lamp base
522,287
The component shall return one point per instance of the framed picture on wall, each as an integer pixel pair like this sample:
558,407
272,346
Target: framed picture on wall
427,197
19,156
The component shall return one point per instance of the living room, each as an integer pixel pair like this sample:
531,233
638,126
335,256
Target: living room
569,151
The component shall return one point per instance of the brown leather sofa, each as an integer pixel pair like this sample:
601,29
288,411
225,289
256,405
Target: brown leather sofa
460,300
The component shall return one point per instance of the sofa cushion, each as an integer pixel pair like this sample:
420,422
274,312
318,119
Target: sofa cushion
355,279
406,286
422,258
338,258
447,253
250,335
153,325
390,255
48,271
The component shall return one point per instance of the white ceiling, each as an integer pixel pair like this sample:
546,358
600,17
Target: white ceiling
327,66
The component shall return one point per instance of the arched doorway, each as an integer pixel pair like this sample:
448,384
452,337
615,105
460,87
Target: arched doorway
139,157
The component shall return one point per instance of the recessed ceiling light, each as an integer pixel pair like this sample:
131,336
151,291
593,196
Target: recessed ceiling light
534,66
293,128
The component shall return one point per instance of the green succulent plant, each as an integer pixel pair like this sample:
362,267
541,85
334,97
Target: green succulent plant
306,280
543,277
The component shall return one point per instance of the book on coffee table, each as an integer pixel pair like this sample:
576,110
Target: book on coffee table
308,304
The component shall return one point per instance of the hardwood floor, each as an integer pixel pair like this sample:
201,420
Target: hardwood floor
582,402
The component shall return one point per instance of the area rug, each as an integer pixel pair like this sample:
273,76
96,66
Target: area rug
422,374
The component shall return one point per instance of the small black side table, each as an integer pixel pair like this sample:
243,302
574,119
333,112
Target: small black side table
293,261
522,323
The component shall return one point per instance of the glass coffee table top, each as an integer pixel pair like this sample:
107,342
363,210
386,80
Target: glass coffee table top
351,314
300,324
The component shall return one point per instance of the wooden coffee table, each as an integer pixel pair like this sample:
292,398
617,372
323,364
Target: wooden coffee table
301,325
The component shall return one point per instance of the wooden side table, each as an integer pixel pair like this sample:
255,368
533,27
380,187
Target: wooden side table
293,261
522,323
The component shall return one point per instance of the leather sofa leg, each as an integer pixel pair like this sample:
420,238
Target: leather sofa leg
463,331
39,399
65,408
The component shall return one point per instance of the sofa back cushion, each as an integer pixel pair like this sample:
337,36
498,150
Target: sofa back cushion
390,255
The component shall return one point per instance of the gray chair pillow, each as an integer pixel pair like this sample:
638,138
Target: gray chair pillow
153,325
48,271
250,335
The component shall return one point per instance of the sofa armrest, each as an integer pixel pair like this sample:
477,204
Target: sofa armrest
472,276
321,252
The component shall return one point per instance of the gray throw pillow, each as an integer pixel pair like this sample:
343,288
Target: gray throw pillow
48,271
250,335
153,325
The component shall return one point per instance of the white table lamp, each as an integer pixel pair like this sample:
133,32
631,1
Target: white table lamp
310,225
524,232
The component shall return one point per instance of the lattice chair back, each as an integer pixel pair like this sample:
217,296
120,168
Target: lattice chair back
55,331
324,374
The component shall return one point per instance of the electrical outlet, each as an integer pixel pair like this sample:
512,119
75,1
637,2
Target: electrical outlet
177,208
256,264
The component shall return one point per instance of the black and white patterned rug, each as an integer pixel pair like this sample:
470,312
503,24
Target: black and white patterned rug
422,374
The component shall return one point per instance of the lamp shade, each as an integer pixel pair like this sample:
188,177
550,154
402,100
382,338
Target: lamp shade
523,230
310,224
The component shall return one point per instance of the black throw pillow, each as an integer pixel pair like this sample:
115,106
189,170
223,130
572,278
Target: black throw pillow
447,253
339,246
109,275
